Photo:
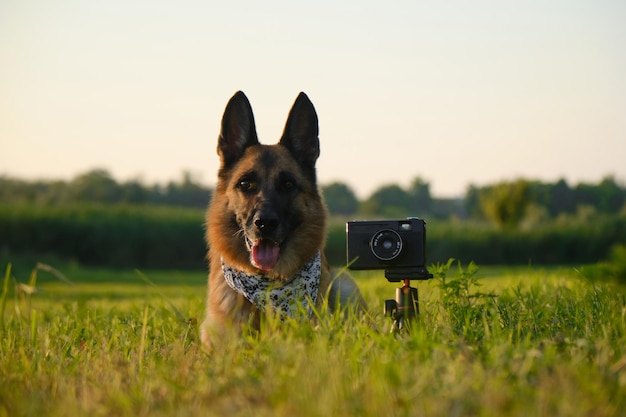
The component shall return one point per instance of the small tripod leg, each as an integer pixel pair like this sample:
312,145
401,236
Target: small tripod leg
404,308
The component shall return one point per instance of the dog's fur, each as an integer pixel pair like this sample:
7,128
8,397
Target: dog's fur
266,202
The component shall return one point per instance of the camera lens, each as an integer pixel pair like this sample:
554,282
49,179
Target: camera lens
386,245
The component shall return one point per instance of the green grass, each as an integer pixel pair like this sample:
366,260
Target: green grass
497,342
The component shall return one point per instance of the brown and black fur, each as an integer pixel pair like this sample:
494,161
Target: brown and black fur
266,193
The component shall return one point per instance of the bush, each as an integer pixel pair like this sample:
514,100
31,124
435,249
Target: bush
114,236
168,237
555,243
611,269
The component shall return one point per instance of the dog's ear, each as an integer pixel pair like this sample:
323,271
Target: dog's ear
301,134
238,130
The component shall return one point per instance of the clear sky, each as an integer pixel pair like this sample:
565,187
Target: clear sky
456,92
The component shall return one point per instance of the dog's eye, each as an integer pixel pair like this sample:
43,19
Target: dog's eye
246,185
287,184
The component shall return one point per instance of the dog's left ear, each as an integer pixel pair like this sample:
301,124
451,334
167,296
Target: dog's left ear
301,134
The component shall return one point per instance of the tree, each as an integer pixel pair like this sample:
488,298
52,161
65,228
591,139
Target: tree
562,199
187,193
611,196
340,199
472,201
505,203
389,200
134,192
96,185
419,197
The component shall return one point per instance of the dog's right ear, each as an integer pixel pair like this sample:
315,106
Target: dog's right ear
238,130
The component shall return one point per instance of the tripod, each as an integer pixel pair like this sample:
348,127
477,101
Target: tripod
405,307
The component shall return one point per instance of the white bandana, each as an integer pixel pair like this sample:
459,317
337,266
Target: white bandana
283,299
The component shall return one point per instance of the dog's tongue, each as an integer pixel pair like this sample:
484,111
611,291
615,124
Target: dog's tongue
265,254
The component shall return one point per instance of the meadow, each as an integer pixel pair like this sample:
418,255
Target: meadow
489,341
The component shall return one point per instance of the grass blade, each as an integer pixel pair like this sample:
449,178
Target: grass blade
58,274
144,333
5,293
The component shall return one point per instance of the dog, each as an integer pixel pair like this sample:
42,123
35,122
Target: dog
266,225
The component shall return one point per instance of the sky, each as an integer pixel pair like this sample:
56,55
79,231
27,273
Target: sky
454,92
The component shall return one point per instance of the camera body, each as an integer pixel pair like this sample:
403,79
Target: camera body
397,246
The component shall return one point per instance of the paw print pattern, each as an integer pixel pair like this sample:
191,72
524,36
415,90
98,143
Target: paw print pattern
285,299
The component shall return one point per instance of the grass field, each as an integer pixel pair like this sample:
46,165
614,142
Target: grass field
497,342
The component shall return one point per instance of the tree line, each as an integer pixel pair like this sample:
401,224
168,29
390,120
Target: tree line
505,204
145,237
96,220
98,186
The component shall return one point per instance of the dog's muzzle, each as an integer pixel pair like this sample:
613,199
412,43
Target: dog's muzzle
262,243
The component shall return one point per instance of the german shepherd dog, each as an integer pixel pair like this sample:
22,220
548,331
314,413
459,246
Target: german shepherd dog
266,224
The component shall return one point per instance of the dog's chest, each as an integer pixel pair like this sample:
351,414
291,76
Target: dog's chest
288,299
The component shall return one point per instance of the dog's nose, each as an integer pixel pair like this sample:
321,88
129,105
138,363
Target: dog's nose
266,221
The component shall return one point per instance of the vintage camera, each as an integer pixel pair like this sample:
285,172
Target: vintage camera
397,246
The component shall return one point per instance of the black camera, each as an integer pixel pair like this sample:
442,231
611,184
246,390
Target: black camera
397,246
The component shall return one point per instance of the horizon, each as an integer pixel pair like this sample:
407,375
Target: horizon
198,181
456,94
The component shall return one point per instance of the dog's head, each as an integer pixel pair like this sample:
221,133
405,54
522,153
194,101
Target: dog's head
267,215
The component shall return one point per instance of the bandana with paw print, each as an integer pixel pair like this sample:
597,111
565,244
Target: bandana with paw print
285,299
